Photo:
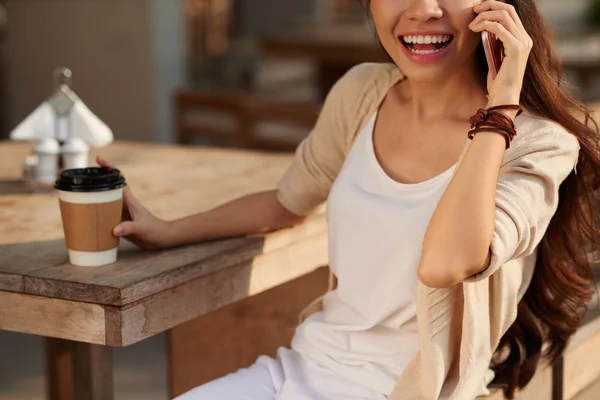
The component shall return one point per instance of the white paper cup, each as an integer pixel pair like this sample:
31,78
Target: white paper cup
91,203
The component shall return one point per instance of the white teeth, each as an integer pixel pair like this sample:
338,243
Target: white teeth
425,51
426,39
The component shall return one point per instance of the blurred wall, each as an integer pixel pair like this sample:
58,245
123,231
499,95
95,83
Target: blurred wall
261,17
107,44
169,48
126,55
563,14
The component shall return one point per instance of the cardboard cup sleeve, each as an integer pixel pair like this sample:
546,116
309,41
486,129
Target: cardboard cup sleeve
89,227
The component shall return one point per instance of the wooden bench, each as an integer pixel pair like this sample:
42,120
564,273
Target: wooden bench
575,377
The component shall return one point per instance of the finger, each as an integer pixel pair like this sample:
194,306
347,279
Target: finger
503,18
498,5
129,198
103,163
511,43
125,229
129,203
135,240
126,214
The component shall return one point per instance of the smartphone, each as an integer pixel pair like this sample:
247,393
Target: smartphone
494,52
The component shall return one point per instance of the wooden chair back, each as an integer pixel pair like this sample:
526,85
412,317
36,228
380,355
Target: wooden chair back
242,120
278,124
208,115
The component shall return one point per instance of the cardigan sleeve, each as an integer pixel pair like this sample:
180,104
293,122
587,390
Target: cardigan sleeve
527,194
320,157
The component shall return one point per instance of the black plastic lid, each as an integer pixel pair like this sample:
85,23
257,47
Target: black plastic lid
93,179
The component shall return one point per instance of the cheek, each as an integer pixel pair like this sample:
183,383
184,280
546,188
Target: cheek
386,14
461,13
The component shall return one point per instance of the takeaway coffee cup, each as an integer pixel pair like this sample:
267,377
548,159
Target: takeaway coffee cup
91,204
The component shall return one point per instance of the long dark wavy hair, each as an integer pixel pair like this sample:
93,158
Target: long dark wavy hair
557,299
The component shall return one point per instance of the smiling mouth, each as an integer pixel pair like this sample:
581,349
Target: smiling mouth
428,44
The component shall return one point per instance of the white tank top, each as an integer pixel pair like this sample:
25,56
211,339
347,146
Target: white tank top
367,330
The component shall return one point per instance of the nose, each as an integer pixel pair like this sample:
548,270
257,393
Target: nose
424,10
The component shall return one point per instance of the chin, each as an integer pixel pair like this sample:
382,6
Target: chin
425,74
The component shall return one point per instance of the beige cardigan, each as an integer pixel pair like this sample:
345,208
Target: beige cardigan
459,327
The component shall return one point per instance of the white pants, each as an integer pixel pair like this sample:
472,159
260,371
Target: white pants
289,377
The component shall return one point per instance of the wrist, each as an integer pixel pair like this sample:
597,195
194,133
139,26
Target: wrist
494,102
490,140
508,96
170,231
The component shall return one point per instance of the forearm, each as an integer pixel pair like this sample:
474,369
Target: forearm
254,213
458,237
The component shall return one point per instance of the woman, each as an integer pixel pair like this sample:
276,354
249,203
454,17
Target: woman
451,254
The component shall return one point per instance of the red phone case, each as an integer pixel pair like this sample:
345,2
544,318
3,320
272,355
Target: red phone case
494,52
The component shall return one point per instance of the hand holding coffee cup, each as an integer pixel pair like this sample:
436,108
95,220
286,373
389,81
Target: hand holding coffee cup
91,204
139,225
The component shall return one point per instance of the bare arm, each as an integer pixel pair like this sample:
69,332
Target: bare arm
254,213
458,237
474,230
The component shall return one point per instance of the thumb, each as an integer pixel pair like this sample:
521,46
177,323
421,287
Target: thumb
124,229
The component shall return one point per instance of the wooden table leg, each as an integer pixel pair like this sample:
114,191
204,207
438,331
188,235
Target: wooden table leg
78,371
60,369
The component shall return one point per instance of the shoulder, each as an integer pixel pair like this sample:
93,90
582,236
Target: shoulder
539,135
356,95
320,157
366,82
368,75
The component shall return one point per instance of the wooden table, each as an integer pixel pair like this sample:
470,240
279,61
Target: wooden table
86,311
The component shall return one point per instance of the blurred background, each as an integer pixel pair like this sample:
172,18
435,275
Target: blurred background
141,65
240,73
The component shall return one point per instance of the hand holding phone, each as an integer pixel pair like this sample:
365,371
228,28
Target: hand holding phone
494,52
507,48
